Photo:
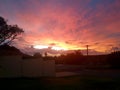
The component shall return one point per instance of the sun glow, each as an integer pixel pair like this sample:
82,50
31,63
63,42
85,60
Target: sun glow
46,47
58,48
40,47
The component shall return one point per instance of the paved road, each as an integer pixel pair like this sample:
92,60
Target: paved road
72,70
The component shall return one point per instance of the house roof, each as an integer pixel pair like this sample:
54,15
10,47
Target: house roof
6,50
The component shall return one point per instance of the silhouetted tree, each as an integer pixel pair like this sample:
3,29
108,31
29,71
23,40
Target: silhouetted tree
8,32
78,53
114,59
37,55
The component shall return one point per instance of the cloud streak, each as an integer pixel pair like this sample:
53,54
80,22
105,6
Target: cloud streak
70,24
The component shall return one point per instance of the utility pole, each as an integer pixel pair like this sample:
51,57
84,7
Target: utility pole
87,49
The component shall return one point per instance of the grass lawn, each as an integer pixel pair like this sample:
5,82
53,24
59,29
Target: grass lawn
62,83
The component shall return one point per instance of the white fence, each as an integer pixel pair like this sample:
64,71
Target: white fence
15,66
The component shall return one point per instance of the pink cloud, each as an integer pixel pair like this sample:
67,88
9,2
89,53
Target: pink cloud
61,21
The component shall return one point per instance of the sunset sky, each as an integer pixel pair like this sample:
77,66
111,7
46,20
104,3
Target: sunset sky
69,24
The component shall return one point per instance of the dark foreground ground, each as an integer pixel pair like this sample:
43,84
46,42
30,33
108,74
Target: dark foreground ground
67,78
62,83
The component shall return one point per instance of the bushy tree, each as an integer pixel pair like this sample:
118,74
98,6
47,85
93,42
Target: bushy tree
37,54
114,59
8,32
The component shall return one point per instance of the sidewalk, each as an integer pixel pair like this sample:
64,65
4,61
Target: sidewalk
64,74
